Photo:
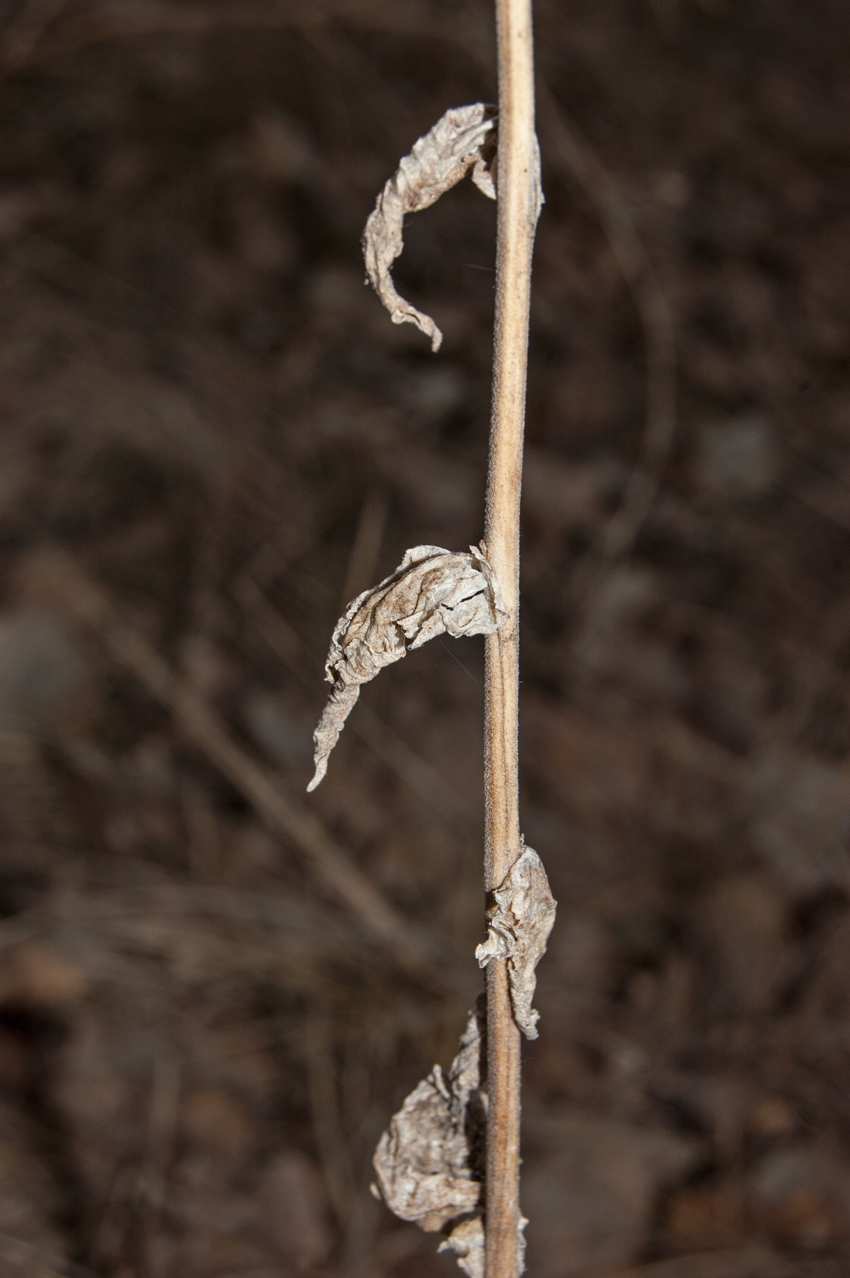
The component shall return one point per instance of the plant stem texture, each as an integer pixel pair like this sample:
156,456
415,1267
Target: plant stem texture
517,216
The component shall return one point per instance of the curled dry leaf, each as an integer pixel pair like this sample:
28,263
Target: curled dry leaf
519,927
432,592
426,1160
437,162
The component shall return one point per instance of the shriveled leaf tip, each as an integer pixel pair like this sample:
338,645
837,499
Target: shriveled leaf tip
432,592
457,143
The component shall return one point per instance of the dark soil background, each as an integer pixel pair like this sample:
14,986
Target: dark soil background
207,414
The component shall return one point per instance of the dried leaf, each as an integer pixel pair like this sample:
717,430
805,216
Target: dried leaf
425,1161
519,928
437,162
467,1242
432,592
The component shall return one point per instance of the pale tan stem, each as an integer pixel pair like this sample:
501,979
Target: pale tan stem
517,216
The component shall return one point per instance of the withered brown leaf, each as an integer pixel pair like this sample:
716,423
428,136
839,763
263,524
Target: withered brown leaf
438,161
518,929
433,591
425,1161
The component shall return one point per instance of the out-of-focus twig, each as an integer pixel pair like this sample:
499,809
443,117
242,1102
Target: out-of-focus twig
88,603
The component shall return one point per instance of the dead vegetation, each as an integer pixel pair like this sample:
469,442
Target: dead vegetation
206,413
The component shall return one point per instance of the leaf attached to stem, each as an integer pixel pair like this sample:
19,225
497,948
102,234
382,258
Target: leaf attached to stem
432,592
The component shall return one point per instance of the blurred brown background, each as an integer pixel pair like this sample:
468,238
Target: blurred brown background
212,437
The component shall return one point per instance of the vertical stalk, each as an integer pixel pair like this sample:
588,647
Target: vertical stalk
517,216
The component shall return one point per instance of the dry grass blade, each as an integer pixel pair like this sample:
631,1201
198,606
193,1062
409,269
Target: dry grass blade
85,601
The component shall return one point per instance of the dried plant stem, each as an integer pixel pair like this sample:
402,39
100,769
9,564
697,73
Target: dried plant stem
517,216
